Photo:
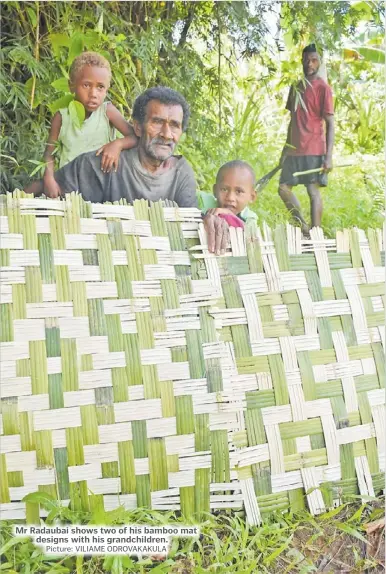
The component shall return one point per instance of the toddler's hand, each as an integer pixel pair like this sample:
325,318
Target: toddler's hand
110,155
219,210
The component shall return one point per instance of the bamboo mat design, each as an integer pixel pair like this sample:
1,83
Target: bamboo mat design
138,369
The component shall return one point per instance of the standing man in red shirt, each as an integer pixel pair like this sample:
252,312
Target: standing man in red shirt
309,144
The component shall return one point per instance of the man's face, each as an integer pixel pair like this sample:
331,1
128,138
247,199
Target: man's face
311,64
235,189
161,129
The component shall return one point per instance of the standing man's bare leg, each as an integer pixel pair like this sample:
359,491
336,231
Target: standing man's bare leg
313,190
292,204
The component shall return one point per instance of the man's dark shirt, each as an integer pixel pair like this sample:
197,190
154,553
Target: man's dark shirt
131,181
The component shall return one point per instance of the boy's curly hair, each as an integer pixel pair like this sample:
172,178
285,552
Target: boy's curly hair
88,59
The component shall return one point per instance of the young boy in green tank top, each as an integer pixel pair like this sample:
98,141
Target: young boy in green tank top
233,191
90,77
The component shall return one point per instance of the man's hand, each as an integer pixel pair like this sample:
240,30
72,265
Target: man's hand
327,164
110,155
51,187
217,231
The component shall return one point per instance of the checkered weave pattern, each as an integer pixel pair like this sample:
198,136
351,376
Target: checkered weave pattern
137,369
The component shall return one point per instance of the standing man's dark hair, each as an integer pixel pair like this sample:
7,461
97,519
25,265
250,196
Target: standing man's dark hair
165,96
310,139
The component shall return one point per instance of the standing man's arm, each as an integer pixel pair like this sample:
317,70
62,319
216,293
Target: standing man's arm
330,133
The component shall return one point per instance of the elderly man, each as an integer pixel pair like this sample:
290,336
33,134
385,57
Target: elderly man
150,171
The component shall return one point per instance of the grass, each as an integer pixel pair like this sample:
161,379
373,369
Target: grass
337,541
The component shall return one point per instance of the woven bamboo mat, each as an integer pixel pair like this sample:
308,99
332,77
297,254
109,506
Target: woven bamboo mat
138,369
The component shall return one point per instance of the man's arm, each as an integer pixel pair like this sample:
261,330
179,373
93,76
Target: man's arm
330,133
83,174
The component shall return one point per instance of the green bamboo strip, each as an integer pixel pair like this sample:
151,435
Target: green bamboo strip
33,285
134,263
355,251
220,456
300,428
307,375
61,467
255,427
14,215
157,220
44,449
379,358
28,230
276,367
19,299
253,248
27,437
63,285
6,323
55,391
70,379
370,443
57,232
184,414
97,317
195,354
322,357
240,333
79,298
133,361
89,419
86,363
281,243
38,363
90,257
374,246
167,399
260,399
105,258
4,258
157,313
126,467
275,329
15,478
46,257
145,330
187,501
23,368
72,213
4,487
347,322
122,279
158,464
269,299
251,364
297,461
371,289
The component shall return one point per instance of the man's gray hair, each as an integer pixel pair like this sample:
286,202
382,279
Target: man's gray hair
165,96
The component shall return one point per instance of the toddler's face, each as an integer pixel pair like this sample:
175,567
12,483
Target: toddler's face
235,189
90,87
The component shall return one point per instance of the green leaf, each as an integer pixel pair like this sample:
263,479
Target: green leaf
59,41
13,542
77,113
32,16
61,85
62,102
372,55
76,47
332,512
43,498
91,38
351,531
99,26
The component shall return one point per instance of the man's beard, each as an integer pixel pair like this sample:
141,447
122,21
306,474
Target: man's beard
151,149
